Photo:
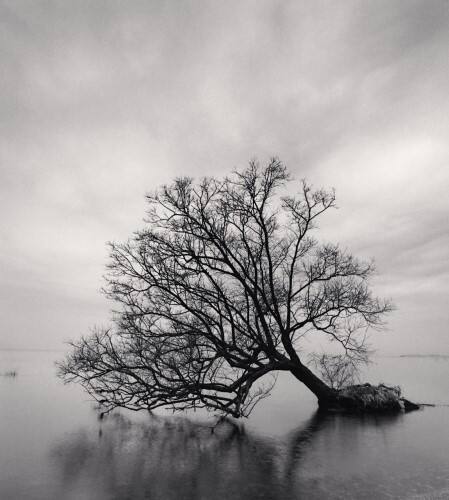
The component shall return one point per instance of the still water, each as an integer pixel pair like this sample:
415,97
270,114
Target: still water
52,446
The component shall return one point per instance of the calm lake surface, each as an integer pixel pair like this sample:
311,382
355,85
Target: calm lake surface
52,446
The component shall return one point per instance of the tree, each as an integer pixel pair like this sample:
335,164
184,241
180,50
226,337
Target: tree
219,291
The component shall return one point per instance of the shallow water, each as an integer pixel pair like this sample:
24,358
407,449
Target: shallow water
52,446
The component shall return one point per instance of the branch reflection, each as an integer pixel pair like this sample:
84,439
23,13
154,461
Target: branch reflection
178,458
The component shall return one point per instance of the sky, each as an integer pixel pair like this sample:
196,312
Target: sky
103,101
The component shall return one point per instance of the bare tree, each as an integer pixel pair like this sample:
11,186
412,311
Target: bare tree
220,289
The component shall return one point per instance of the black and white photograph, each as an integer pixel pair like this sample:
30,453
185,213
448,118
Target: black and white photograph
224,249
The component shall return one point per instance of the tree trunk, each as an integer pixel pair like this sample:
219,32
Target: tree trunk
327,397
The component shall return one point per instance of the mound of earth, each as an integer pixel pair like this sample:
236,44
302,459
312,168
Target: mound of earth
370,398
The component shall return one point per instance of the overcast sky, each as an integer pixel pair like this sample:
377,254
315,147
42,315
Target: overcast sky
101,101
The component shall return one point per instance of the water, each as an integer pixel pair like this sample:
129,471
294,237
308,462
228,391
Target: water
52,446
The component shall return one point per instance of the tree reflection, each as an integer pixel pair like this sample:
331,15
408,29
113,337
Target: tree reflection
177,458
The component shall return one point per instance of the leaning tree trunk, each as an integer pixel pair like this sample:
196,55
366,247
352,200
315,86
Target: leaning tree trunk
327,397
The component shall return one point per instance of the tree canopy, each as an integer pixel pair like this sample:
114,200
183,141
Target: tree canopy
221,287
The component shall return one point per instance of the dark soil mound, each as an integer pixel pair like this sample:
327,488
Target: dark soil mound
370,398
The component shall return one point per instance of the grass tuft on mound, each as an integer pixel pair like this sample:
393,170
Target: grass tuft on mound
369,397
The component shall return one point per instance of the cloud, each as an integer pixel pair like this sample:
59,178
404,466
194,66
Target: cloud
101,102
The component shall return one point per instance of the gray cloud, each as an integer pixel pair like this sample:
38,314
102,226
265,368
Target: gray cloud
102,101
